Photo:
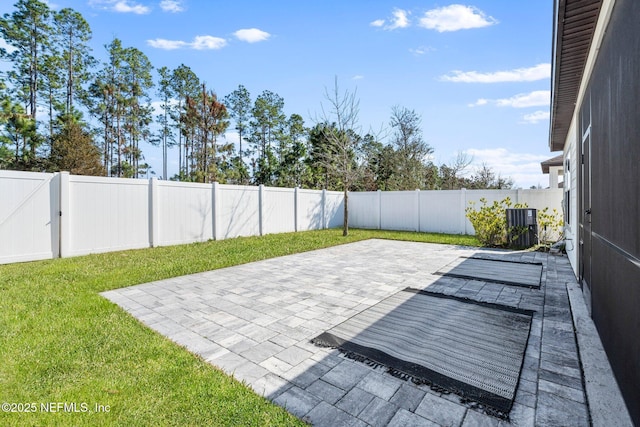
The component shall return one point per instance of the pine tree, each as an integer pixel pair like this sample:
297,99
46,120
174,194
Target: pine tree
165,136
28,31
72,36
238,104
184,84
267,121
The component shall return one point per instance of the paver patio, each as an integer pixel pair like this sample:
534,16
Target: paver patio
255,322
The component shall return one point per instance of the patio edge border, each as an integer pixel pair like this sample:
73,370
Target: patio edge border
605,402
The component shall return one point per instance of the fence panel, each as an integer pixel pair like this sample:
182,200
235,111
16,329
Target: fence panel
278,210
540,199
440,211
237,211
334,209
29,221
107,214
490,195
364,209
309,210
399,210
184,212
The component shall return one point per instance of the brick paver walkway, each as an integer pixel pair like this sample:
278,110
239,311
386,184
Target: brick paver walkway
254,321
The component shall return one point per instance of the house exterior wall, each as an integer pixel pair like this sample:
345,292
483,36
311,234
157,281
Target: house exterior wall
555,172
607,112
570,202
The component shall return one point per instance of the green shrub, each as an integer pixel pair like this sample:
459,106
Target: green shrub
550,225
490,222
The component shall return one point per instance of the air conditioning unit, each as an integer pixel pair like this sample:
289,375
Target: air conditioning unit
522,227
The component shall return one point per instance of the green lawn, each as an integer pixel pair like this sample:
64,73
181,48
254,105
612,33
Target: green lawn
61,342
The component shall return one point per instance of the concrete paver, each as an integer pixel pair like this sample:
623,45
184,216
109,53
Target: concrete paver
346,375
355,401
298,401
255,322
328,415
408,397
378,412
476,419
382,386
404,418
441,411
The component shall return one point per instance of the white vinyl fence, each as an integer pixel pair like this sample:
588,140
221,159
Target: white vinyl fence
59,215
439,211
29,225
45,215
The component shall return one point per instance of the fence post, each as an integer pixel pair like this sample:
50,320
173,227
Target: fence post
214,210
64,216
54,211
260,205
295,209
324,208
154,225
379,209
463,206
417,202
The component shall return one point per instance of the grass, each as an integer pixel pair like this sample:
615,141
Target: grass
62,342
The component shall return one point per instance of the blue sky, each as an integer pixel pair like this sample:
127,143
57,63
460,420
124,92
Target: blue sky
477,71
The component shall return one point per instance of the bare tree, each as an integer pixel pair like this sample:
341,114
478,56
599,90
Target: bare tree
461,163
451,176
343,139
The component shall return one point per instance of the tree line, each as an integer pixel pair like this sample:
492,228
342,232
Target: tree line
60,109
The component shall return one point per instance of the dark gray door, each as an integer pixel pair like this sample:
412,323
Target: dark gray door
585,215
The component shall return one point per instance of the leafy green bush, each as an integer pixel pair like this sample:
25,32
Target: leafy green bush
490,222
550,225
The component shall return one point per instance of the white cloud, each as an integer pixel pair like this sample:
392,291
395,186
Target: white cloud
125,7
530,74
479,102
6,46
421,50
399,19
52,6
233,137
251,35
121,6
208,42
172,6
455,17
537,98
198,43
524,168
167,44
357,77
536,117
157,105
